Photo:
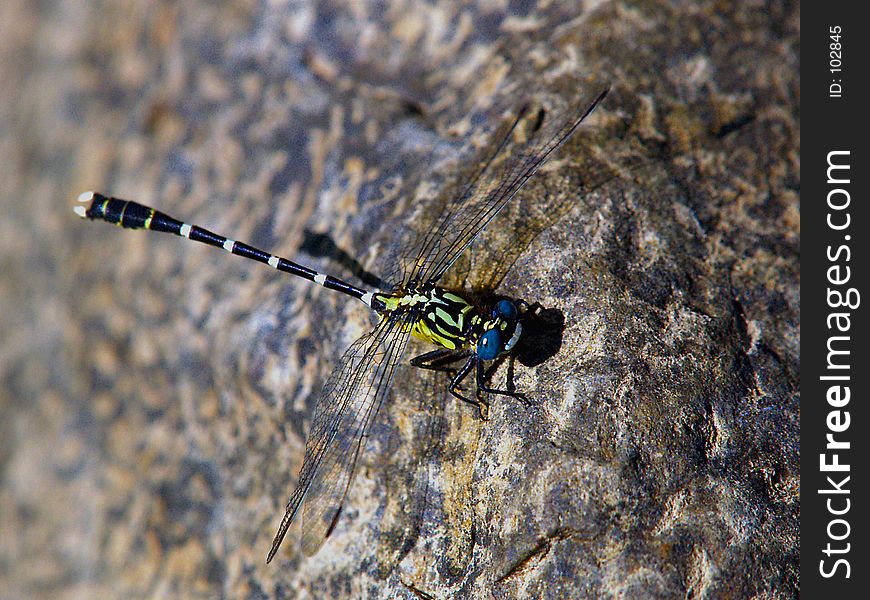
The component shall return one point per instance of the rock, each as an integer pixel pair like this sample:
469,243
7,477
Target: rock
156,394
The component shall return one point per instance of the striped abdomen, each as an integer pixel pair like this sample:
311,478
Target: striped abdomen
133,215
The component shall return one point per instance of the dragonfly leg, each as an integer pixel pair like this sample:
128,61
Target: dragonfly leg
482,387
438,360
480,403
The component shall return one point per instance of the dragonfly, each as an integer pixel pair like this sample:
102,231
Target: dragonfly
468,335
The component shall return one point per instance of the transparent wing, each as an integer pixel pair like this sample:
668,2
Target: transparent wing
487,190
492,256
350,399
413,451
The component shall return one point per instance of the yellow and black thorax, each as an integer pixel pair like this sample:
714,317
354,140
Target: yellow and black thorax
448,320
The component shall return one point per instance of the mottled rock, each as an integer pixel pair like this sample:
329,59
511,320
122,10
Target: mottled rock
155,395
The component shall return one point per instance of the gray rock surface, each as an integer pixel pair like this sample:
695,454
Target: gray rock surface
155,394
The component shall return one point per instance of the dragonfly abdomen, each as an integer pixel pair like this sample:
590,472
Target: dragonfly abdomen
132,215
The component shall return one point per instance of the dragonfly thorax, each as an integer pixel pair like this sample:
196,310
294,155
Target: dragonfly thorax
446,319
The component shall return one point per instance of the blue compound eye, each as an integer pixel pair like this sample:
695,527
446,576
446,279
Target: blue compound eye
506,310
489,345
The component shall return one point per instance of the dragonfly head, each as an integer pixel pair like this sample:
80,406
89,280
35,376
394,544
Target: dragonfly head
501,332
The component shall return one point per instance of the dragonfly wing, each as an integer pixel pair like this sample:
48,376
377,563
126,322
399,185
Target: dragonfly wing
491,187
350,399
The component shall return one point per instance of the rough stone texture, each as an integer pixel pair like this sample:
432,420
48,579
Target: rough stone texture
155,395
